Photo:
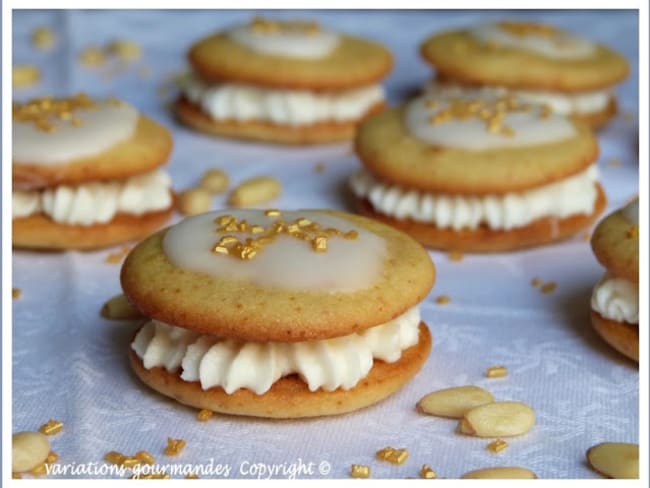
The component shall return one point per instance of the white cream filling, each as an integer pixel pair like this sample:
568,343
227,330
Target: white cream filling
97,202
329,364
574,195
231,101
616,299
561,103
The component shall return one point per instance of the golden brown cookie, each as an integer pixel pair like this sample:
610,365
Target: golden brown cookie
353,63
477,171
621,336
86,173
390,152
279,314
41,232
258,130
468,58
163,291
485,240
289,397
281,81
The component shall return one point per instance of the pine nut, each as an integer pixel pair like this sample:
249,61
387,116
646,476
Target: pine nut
119,308
615,459
255,190
500,473
214,180
194,201
454,402
29,450
498,419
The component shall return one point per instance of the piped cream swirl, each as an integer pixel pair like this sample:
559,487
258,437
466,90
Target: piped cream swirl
616,299
96,202
329,364
574,195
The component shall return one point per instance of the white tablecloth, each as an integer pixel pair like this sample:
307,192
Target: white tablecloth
70,364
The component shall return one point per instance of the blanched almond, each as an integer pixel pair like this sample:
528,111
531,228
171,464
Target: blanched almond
500,473
498,419
454,402
615,459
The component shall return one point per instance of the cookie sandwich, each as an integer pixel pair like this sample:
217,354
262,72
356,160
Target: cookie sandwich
478,173
536,62
615,299
86,173
279,81
278,314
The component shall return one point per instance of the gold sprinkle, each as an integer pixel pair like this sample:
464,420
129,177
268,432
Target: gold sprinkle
257,229
359,471
272,213
303,222
549,287
92,56
16,293
51,427
224,219
351,235
23,75
42,38
497,445
319,244
536,282
443,299
145,457
114,457
39,470
150,476
525,29
191,476
52,457
125,49
204,415
632,232
42,112
392,455
496,372
427,473
455,256
130,461
174,446
225,240
220,250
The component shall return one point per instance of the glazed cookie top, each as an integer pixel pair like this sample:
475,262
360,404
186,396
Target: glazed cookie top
291,55
277,276
616,242
524,55
475,144
78,139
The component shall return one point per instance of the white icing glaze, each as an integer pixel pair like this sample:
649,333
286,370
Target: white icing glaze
288,263
231,101
96,203
287,42
616,299
471,134
101,128
560,46
631,211
574,195
328,364
561,103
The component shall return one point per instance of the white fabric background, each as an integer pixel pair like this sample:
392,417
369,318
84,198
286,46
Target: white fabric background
70,364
